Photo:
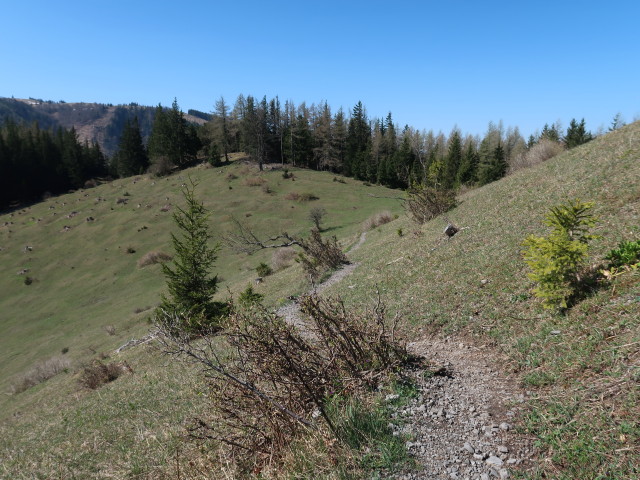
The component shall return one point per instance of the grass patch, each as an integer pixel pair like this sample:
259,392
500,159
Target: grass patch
365,428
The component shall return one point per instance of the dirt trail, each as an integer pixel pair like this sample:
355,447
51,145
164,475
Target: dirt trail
461,424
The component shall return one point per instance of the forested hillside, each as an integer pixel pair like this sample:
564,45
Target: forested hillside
129,139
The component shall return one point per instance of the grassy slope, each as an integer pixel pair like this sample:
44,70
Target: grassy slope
585,380
475,285
85,280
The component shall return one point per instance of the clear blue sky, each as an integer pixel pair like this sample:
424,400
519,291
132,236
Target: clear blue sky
433,64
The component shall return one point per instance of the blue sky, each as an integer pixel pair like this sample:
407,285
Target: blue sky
432,64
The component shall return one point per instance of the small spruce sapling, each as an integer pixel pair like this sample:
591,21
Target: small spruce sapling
557,259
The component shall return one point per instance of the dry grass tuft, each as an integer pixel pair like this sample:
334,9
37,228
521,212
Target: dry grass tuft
540,152
254,181
41,372
376,220
301,197
153,258
282,258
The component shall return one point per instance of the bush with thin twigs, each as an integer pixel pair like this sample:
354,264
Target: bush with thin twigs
281,381
425,203
316,214
98,373
152,258
282,258
377,219
41,372
540,152
319,256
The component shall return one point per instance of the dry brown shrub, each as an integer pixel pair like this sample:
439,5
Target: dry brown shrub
282,258
376,220
153,258
539,153
41,372
279,384
254,181
231,176
425,203
98,374
301,197
320,256
161,166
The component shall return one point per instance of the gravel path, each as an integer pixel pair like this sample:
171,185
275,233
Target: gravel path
291,311
461,424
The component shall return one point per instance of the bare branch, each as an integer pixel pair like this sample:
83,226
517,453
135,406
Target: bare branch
244,240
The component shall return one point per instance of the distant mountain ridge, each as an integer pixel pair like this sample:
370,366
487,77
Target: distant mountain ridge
93,122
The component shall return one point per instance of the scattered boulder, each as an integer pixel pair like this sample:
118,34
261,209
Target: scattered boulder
451,230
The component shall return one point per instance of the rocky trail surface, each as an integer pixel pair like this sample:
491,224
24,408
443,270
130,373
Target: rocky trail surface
461,424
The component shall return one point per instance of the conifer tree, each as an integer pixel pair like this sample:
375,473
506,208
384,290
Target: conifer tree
172,138
358,143
576,134
223,127
131,157
468,171
493,168
190,282
453,160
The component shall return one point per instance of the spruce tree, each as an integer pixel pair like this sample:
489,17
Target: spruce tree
468,171
358,143
172,137
190,282
576,134
131,157
494,167
453,160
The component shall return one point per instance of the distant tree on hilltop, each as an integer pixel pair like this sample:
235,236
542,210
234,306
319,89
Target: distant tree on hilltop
576,134
172,137
131,157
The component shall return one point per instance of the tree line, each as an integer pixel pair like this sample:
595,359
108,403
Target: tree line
375,150
34,161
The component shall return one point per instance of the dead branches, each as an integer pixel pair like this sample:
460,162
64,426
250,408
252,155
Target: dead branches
244,240
273,382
